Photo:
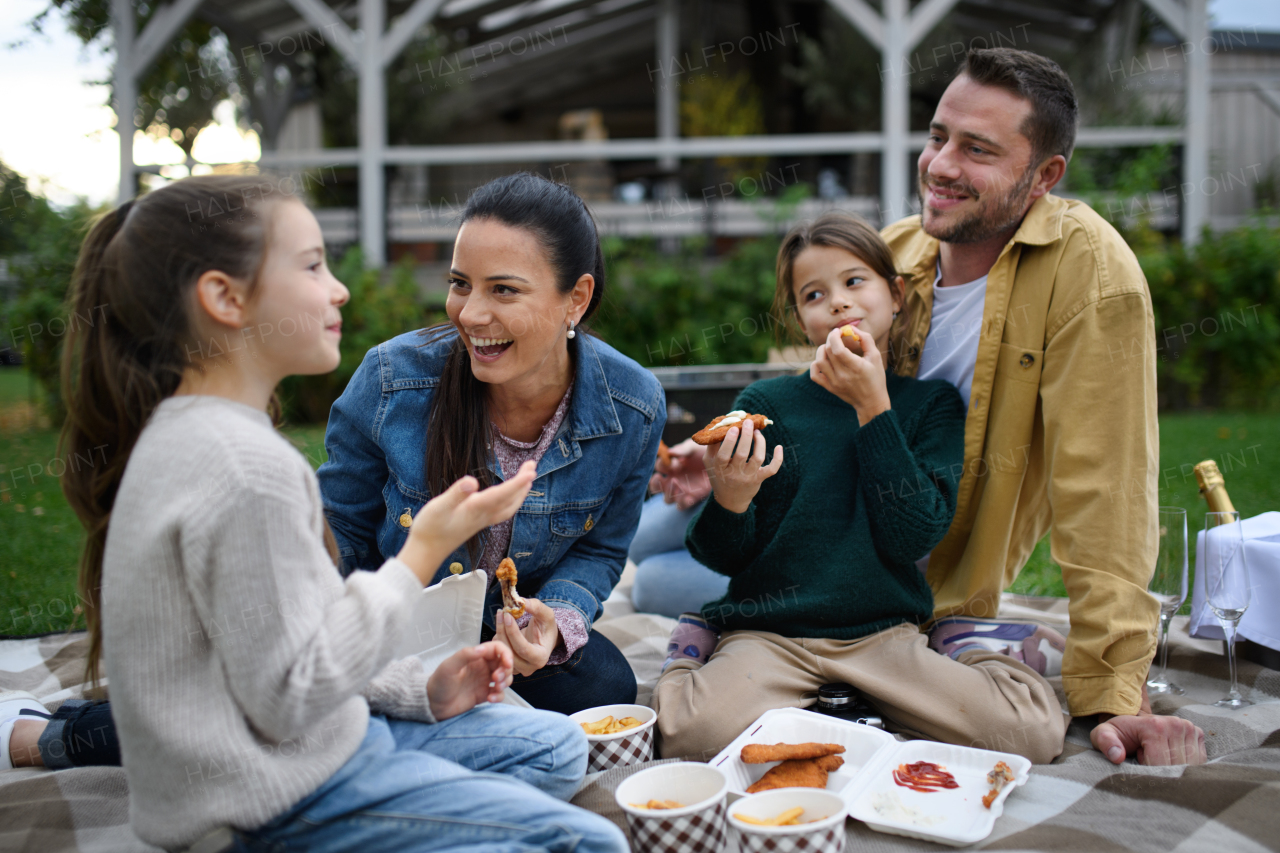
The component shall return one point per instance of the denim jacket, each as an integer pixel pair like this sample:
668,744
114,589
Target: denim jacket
570,537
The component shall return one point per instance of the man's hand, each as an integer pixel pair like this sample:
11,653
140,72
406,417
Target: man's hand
684,482
532,647
468,677
857,379
1150,738
736,476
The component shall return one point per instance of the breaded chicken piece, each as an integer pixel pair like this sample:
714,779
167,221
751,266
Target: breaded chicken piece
511,600
999,776
761,753
798,773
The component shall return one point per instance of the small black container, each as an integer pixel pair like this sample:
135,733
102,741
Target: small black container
843,702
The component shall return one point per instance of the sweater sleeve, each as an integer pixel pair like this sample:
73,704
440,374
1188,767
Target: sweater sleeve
400,691
910,485
728,542
294,639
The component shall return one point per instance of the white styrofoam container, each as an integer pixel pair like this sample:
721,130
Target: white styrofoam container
871,756
794,725
447,618
964,819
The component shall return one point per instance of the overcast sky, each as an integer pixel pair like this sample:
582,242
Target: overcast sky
55,129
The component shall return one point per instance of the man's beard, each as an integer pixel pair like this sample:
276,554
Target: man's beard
1000,214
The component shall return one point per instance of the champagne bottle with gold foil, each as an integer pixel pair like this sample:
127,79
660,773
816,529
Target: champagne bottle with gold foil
1213,487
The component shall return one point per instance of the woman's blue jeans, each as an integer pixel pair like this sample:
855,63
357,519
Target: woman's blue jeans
668,580
493,779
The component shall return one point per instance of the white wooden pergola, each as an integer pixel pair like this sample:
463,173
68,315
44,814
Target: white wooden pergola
895,31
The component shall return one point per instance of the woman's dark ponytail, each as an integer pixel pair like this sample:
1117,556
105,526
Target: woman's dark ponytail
458,424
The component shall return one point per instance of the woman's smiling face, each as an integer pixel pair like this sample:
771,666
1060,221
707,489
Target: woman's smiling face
834,287
504,301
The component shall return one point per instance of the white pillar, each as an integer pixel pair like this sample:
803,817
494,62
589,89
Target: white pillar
126,93
1195,152
668,106
373,133
895,114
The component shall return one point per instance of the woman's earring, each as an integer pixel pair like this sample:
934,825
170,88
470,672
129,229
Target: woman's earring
572,334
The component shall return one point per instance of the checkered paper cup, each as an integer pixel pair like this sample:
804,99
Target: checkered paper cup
634,746
697,827
824,832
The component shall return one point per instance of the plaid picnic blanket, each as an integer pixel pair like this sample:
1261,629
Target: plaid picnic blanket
1081,802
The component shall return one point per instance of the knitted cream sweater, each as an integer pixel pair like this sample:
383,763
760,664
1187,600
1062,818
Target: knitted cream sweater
241,665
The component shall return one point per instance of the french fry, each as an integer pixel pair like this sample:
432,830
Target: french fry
790,817
610,726
657,804
599,727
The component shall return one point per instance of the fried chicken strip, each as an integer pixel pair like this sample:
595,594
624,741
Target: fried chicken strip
761,753
798,773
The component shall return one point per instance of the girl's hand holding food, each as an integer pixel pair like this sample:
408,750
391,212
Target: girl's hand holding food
531,646
469,677
736,475
856,379
453,517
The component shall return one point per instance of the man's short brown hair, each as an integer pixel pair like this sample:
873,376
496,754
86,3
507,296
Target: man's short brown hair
1051,127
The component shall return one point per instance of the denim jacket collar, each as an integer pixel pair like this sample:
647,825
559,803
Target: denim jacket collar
591,413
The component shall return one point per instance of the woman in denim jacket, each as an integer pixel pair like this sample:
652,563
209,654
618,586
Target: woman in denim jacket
508,379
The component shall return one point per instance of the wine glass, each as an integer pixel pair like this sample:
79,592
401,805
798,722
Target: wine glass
1226,584
1169,586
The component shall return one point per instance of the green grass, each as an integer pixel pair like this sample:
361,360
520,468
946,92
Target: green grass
42,538
41,535
14,385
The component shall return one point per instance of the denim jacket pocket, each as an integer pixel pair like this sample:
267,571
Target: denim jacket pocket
403,504
577,520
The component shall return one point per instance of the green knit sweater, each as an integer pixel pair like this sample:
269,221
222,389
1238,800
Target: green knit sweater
828,547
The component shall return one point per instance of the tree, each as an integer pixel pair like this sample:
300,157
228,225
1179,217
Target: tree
215,58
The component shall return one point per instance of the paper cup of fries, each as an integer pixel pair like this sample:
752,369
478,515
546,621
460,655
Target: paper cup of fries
618,734
789,820
675,808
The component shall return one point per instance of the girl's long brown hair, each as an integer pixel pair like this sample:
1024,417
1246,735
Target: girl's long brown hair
842,231
131,335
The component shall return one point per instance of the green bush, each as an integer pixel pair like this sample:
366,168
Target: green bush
683,307
1217,317
44,243
377,311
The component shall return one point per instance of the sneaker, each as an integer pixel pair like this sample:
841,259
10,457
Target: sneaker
694,638
1033,643
14,705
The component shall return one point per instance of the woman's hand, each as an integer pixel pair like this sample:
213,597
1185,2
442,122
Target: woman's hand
462,511
856,379
735,475
532,646
468,677
684,482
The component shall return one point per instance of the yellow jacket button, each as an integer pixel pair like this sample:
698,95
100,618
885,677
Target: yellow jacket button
590,524
406,520
455,568
1027,360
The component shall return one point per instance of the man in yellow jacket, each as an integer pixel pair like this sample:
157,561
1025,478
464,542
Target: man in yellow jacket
1038,311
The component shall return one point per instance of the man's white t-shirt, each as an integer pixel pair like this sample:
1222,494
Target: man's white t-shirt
951,350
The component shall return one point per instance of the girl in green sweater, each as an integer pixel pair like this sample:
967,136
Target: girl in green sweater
821,540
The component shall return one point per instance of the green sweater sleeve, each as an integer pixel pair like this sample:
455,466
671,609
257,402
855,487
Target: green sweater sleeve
911,475
727,542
